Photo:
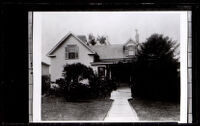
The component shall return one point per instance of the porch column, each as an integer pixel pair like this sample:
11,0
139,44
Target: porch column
108,71
110,74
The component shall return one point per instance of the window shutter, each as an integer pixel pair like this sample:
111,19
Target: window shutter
66,53
76,52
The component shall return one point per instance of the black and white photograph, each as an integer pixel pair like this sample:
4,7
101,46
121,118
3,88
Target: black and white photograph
110,66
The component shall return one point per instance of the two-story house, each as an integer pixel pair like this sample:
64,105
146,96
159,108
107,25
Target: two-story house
101,58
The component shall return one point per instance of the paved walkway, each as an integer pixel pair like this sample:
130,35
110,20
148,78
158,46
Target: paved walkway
121,111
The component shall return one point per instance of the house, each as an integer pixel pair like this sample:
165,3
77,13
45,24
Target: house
101,58
45,69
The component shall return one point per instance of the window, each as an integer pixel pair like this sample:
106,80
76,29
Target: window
71,52
129,50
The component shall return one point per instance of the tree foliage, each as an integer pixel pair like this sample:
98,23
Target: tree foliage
156,72
92,39
72,72
102,40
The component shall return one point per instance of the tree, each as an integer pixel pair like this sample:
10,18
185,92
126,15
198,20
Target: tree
92,40
155,71
102,40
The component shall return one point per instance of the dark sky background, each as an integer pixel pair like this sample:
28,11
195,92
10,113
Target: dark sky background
118,26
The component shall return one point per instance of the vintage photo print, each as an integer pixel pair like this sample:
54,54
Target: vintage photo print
110,66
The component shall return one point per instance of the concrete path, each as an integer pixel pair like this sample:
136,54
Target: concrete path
121,111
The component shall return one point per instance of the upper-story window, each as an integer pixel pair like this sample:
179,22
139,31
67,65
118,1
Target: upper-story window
130,50
71,52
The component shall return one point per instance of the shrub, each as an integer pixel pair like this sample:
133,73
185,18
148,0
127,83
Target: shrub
77,91
60,91
72,88
102,88
45,84
73,74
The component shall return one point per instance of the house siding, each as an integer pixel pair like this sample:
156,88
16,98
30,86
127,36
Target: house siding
45,69
58,62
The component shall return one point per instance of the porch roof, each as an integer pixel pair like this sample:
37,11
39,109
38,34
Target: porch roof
111,61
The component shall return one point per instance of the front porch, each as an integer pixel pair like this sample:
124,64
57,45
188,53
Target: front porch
118,70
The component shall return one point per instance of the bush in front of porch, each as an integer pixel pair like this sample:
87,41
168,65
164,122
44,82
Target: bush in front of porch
81,83
102,88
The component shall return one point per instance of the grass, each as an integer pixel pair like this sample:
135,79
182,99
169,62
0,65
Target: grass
156,110
58,109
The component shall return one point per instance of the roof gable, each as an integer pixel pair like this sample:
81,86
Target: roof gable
130,41
64,39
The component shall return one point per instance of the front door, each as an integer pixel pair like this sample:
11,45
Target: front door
121,72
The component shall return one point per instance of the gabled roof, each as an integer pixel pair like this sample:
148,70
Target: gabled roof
63,40
130,41
114,51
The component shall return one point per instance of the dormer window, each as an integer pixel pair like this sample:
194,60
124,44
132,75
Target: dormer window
130,50
71,52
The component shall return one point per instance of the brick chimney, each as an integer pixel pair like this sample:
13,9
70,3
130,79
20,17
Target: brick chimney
136,36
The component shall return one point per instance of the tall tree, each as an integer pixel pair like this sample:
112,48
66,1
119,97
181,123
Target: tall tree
156,72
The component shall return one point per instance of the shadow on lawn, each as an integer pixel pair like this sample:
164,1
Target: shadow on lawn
148,110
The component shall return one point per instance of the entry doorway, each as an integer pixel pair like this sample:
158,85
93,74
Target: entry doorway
121,73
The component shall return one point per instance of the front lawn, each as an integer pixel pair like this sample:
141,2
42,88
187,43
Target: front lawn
156,110
57,108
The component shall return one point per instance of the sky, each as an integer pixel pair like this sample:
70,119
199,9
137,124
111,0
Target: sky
118,26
